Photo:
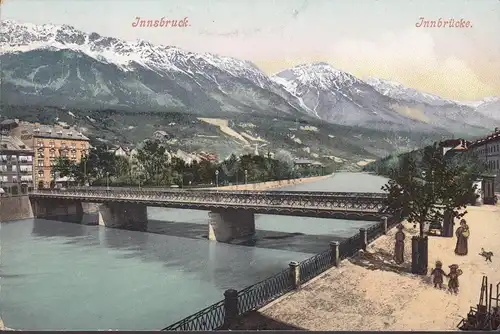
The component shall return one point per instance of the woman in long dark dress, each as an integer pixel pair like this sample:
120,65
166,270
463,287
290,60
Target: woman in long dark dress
399,247
462,234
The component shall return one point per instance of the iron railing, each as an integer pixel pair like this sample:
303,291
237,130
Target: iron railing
350,246
263,292
315,265
260,294
375,231
210,318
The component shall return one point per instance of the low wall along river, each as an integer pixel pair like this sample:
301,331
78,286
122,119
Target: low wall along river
273,184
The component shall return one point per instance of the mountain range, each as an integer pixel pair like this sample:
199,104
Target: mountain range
62,67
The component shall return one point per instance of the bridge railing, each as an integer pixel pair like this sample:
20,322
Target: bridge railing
221,314
135,190
324,202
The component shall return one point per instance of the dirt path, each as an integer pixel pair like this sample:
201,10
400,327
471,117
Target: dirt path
369,292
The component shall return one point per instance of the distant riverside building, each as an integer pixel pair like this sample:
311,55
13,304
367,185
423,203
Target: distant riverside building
16,165
48,143
120,151
453,146
487,150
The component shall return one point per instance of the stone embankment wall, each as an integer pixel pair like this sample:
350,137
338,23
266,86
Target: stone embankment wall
273,184
15,208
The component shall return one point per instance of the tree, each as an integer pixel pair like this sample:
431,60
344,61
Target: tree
427,192
153,160
63,167
100,163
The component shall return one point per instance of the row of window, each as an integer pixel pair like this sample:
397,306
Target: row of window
52,161
53,155
14,178
21,158
493,164
13,168
492,148
52,144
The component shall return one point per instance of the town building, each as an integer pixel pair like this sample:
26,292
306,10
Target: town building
487,150
454,146
16,166
120,151
50,142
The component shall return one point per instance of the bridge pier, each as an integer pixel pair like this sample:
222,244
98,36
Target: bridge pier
128,216
57,209
229,224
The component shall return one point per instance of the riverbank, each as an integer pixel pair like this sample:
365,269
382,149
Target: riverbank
3,328
370,292
15,208
274,184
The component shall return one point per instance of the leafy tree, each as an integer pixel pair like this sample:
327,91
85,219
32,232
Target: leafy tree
63,167
100,163
426,191
153,160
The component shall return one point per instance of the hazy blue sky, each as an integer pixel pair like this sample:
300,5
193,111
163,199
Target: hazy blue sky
364,37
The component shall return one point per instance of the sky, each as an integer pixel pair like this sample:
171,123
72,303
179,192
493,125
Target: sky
367,38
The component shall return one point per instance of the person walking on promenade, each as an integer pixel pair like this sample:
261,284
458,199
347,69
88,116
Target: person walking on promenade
438,274
462,234
453,278
399,247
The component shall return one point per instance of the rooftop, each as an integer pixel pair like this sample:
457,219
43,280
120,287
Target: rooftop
10,143
491,137
52,131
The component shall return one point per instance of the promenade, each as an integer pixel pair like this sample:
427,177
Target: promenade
370,292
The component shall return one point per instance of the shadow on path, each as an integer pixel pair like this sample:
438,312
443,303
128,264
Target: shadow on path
257,321
379,260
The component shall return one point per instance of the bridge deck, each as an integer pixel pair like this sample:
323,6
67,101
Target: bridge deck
270,202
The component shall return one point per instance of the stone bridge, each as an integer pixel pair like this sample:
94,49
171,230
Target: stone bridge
231,213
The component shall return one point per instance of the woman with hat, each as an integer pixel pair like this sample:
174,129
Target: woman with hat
462,234
399,247
453,278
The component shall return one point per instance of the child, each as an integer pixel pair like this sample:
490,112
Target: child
453,278
438,274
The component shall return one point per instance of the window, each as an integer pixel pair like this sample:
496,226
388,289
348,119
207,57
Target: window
40,163
498,164
40,173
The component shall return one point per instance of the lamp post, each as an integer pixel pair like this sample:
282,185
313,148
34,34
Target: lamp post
246,176
85,172
217,179
107,180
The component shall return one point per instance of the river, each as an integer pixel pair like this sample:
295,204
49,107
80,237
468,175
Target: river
63,276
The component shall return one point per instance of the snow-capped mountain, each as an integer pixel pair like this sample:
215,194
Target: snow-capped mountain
62,65
400,92
436,107
339,97
489,106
